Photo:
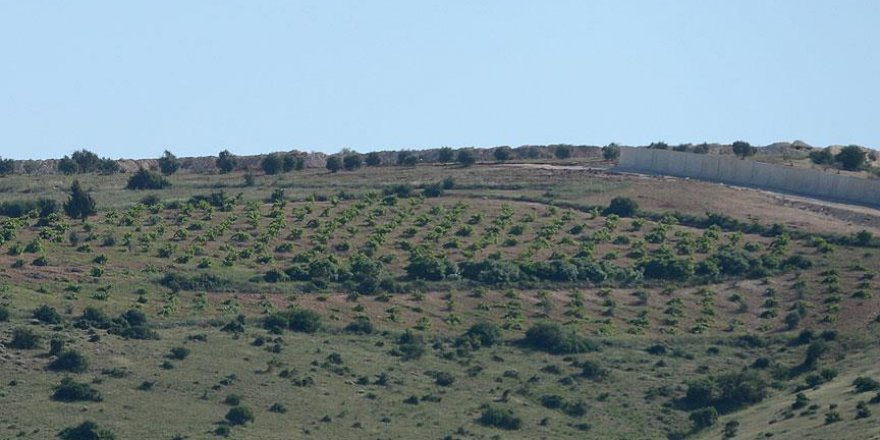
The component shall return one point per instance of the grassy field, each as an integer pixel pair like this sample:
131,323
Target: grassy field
406,302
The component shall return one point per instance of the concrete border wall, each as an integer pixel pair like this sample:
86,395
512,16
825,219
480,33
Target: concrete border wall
735,171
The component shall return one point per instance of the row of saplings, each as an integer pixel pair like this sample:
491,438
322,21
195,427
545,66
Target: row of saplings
366,275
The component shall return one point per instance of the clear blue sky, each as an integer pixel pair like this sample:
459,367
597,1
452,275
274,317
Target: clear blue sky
132,78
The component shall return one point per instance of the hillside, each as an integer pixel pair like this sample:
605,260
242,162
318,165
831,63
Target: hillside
505,299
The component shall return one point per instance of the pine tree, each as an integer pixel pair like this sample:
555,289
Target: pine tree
80,204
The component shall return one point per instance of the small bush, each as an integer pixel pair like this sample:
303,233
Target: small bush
562,152
410,345
465,157
433,190
622,206
72,391
610,152
46,314
484,334
360,325
305,321
272,163
727,392
352,162
71,361
226,161
179,353
372,159
448,183
20,208
552,338
554,401
594,371
500,418
146,179
444,379
704,418
865,384
24,339
333,164
87,430
240,415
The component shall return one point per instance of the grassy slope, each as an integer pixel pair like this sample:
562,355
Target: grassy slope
632,403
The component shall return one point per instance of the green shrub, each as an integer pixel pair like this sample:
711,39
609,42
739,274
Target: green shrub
372,159
622,206
352,162
93,317
134,317
851,157
24,339
503,153
576,409
168,163
240,415
306,321
433,190
146,179
427,265
500,418
667,267
592,370
274,276
333,164
46,314
410,346
401,190
562,152
226,161
298,320
72,391
465,157
822,156
485,334
201,282
360,325
407,158
7,166
552,338
554,401
611,152
444,379
293,162
70,360
704,418
743,149
56,345
20,208
179,353
272,163
864,384
727,392
87,430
